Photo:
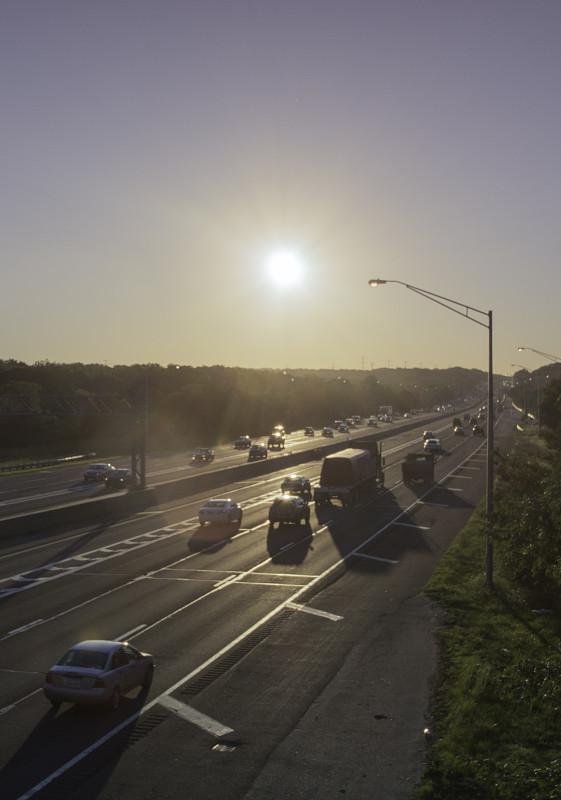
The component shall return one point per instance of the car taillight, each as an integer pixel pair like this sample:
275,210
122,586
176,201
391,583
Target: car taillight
49,678
99,684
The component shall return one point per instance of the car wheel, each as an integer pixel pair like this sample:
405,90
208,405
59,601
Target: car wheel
56,704
115,698
148,678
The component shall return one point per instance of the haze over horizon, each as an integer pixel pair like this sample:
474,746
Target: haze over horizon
158,157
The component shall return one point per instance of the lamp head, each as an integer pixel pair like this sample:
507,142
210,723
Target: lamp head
376,282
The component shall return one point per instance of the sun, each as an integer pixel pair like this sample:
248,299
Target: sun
284,267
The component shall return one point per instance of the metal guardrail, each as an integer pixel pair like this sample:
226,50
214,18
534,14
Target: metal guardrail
52,462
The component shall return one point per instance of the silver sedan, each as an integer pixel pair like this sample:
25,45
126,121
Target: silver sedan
97,672
220,511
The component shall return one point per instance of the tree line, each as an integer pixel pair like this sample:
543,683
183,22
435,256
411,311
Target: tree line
183,406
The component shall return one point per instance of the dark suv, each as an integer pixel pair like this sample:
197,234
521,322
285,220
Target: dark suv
276,441
297,485
289,509
203,456
257,451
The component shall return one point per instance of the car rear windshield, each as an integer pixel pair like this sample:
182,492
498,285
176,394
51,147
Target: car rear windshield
88,659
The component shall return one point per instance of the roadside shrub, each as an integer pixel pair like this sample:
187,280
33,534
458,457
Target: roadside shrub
527,524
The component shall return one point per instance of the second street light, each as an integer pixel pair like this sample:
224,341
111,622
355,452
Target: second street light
467,311
547,356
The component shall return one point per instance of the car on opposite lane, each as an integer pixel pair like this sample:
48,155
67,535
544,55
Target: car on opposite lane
276,441
204,455
432,446
98,672
119,479
220,510
97,472
257,451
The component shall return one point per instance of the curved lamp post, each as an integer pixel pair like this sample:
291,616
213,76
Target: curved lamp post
548,356
467,312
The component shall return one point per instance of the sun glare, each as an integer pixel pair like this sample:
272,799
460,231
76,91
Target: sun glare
285,268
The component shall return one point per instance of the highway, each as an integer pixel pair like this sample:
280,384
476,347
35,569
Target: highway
248,625
22,492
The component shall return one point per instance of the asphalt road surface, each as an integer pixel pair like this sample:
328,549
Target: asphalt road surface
291,663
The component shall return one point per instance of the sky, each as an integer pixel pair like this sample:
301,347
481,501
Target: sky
158,155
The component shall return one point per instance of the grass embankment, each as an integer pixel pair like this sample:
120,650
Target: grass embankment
497,705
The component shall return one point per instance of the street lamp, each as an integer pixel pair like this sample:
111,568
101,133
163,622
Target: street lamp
543,355
467,312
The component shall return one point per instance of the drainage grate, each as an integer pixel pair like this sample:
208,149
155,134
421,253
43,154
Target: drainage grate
231,659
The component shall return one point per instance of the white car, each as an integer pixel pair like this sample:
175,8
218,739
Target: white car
223,511
97,672
432,446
